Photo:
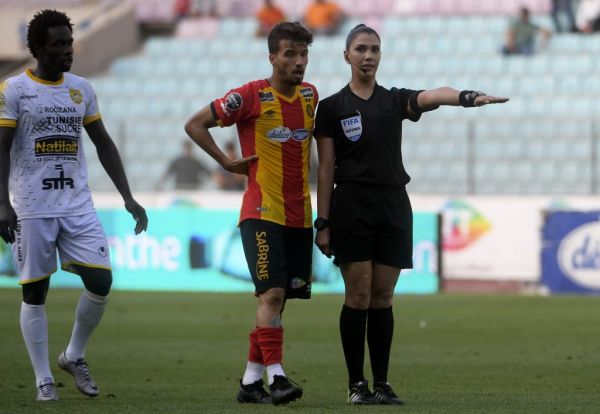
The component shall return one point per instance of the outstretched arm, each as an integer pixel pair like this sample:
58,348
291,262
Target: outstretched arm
197,128
111,161
433,98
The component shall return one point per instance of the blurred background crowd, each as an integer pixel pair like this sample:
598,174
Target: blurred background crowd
155,62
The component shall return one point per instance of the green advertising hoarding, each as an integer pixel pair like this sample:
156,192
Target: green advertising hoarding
195,249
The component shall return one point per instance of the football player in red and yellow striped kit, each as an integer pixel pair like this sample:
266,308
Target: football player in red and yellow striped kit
274,119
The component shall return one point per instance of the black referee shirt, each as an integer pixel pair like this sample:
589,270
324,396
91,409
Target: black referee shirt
367,135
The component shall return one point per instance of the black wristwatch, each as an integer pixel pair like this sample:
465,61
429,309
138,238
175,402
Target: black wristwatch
321,223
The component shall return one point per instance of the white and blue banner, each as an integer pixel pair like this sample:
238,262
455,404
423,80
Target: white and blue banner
571,252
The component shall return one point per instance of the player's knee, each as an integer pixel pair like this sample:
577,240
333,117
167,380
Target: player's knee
273,298
382,298
35,293
358,299
97,281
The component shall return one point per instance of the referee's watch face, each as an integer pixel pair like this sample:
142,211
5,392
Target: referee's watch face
289,63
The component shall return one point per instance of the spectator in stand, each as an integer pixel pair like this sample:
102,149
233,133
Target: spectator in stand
563,7
182,9
521,35
226,180
268,16
588,16
324,17
188,171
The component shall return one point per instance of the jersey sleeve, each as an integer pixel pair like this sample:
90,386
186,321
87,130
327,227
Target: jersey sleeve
401,98
324,121
9,106
92,112
236,106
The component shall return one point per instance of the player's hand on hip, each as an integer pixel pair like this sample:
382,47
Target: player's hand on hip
139,215
241,165
487,99
8,223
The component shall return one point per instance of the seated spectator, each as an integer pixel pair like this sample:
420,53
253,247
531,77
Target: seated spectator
563,7
588,16
182,9
323,17
188,171
226,180
268,16
522,34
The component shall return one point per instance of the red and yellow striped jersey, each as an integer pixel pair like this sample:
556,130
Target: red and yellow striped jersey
278,130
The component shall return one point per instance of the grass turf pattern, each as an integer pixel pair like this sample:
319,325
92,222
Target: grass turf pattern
184,353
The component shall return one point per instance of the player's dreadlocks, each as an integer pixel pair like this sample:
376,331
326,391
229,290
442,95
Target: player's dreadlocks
37,31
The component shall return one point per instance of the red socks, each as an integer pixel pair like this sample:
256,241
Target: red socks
254,354
269,345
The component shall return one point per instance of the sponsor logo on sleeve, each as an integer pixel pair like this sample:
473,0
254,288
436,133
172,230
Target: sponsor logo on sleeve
233,101
266,97
307,92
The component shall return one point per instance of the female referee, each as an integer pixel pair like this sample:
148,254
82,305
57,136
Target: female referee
366,220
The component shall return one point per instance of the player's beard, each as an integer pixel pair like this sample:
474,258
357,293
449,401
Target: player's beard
295,78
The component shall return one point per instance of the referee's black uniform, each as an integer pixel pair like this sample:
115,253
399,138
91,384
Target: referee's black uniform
370,213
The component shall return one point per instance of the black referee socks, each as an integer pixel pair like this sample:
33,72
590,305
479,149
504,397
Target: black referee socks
380,331
352,330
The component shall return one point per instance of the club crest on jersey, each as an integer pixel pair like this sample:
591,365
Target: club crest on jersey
233,101
352,127
76,96
310,111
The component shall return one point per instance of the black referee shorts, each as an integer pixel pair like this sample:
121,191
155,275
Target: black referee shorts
372,223
278,256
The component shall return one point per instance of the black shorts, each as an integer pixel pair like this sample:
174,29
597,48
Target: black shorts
372,223
278,257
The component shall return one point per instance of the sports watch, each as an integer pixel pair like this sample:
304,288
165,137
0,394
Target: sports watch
321,223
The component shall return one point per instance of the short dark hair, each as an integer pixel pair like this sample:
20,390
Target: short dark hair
358,29
37,31
288,31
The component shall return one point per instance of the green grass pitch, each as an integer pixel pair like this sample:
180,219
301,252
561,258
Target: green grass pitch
184,353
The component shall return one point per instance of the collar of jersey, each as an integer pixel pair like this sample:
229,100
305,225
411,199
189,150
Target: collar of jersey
285,98
45,82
